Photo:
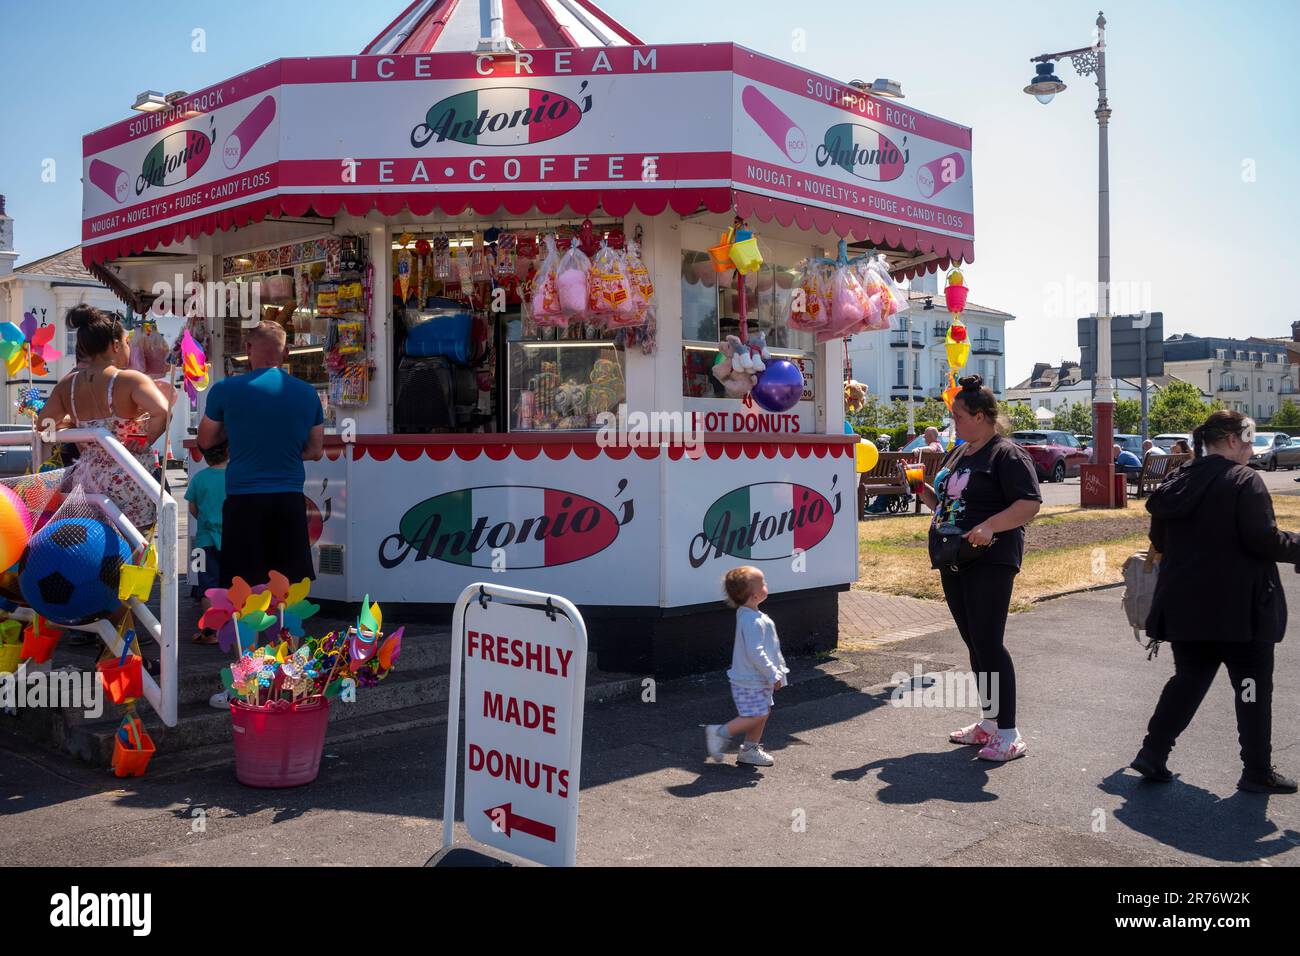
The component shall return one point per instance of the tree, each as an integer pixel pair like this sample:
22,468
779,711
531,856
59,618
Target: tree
1021,416
1075,418
1178,408
1128,416
1287,415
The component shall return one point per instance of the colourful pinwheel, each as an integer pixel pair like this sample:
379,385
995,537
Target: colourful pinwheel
237,615
27,345
194,365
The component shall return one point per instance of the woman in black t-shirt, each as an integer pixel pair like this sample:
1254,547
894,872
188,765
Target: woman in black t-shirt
983,496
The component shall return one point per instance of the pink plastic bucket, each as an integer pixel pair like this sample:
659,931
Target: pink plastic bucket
278,748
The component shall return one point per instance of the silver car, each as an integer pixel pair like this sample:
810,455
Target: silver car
1274,450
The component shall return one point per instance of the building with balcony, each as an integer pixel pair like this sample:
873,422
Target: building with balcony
884,361
1252,376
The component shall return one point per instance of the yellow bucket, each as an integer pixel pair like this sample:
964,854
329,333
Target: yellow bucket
745,256
721,253
11,647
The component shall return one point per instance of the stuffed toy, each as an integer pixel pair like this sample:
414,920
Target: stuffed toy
740,365
855,395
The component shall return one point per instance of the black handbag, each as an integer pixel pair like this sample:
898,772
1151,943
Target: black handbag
953,551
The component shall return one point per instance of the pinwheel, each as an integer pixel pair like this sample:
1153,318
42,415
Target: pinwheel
194,365
237,614
290,605
27,346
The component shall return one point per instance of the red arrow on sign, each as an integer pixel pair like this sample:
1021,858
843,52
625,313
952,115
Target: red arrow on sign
503,819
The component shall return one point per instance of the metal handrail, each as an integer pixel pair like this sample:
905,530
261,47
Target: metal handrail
161,694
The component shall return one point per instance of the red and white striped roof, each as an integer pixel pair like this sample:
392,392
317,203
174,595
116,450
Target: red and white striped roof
452,26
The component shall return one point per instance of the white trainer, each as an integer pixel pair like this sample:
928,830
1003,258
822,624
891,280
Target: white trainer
754,755
716,742
220,700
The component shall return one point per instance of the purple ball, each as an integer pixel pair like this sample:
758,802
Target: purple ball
779,387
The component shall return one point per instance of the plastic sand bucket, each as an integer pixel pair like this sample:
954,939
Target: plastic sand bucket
38,645
10,656
278,747
122,681
721,253
132,761
745,254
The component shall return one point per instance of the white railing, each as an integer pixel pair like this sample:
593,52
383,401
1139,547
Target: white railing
161,694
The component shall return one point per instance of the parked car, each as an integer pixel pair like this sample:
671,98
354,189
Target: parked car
1275,450
1131,443
1166,442
1056,455
15,459
919,441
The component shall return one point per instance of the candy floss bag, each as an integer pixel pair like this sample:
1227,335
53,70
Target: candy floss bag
612,299
545,297
887,297
850,306
809,310
571,277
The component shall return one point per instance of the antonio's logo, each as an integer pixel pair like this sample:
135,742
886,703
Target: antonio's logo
535,527
501,116
174,158
760,522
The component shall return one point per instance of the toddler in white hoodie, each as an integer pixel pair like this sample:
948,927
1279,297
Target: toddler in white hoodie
757,668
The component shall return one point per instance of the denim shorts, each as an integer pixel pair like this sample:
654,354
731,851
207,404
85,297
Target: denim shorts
210,576
752,700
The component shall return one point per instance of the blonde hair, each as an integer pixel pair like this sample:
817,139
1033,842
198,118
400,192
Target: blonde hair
738,584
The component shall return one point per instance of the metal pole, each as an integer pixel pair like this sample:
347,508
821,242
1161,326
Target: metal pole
911,411
1142,353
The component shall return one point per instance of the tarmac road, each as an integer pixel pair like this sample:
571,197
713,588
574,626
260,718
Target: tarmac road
857,781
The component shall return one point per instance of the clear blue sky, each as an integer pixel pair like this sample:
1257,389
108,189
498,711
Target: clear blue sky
1197,89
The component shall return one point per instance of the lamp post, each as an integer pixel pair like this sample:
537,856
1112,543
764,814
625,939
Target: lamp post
1044,86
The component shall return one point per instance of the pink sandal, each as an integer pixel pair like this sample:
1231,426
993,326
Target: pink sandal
1001,750
974,735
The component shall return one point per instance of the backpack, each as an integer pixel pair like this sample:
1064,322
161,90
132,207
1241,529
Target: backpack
1141,572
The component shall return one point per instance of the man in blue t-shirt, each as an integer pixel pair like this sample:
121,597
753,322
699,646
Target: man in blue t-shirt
274,422
1127,462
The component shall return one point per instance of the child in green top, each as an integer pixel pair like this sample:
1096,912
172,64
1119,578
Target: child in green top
207,494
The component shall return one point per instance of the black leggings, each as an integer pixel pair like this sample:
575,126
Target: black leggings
1195,665
979,596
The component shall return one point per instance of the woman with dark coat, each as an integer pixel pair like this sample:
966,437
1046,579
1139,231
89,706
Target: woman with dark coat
1219,598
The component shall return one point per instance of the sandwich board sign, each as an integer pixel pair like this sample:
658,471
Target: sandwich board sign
524,658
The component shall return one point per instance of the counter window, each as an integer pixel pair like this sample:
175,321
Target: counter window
710,311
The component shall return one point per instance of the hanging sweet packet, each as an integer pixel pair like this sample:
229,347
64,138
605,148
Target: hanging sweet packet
441,257
809,308
571,277
506,254
613,299
544,296
643,289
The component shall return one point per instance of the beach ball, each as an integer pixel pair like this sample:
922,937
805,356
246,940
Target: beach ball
865,456
71,570
779,386
15,526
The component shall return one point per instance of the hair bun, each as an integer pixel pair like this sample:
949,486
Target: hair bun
971,383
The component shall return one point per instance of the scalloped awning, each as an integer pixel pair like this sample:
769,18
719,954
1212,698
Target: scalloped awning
684,128
551,203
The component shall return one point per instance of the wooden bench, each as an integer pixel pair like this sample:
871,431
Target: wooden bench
1155,469
886,478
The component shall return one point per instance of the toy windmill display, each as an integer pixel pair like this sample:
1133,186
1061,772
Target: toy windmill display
957,342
